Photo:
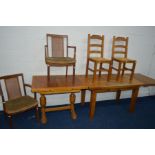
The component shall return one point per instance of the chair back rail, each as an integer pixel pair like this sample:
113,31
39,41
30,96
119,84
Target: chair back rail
95,45
57,45
120,46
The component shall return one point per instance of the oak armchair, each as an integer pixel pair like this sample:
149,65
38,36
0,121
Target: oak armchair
57,53
16,99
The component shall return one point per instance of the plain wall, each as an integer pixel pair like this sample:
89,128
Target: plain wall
22,50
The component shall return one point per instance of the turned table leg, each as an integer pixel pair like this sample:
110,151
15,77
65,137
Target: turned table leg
133,99
72,101
43,105
92,104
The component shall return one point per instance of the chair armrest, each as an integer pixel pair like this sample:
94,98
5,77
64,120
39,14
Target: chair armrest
74,47
28,85
46,51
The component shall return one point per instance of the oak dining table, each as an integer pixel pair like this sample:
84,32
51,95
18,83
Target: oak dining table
61,84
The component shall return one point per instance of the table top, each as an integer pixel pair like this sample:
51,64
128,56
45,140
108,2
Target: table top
62,84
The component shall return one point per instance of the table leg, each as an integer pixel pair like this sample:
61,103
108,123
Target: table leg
92,104
133,99
43,105
83,94
118,95
72,101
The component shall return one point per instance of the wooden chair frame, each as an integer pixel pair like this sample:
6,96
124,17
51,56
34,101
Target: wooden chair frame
59,63
122,61
97,60
10,96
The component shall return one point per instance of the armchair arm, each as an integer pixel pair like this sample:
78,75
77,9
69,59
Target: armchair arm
74,47
46,51
28,85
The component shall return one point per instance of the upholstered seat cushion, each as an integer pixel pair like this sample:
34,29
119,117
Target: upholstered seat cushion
99,60
20,104
59,60
124,60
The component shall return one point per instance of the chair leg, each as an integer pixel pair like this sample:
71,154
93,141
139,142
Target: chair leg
87,65
10,120
118,95
74,70
133,70
123,70
48,72
119,71
66,71
100,69
95,70
37,114
83,94
109,72
5,116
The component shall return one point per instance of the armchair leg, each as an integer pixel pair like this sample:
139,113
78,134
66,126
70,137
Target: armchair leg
37,114
48,72
73,70
10,120
66,71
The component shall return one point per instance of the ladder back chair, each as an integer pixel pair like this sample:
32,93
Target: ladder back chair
96,46
120,55
16,99
57,53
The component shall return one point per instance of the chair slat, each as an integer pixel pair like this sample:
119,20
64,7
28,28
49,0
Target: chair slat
120,52
121,38
95,45
95,51
119,46
96,37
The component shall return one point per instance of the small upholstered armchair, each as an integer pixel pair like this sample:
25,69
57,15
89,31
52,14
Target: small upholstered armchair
57,53
14,97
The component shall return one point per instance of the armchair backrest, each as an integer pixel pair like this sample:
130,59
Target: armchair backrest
57,45
95,45
120,47
12,86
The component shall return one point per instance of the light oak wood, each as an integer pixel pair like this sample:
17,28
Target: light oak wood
43,105
72,101
97,48
120,55
61,84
